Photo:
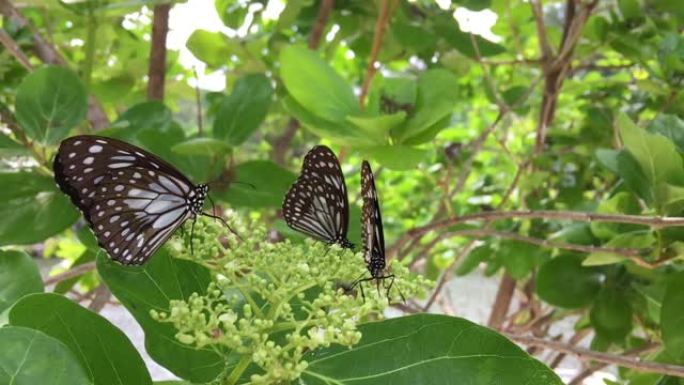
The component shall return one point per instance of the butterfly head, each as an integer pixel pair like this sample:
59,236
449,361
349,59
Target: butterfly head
197,197
344,243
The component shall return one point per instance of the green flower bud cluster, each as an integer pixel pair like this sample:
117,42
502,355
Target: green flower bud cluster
272,303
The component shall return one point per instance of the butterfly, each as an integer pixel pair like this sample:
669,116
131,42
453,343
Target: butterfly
372,233
132,199
317,204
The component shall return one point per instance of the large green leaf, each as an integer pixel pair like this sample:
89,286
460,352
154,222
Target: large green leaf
241,113
657,156
342,133
435,99
315,85
672,317
427,349
151,287
50,102
564,282
519,258
213,48
262,183
19,276
611,314
101,347
29,357
396,157
32,208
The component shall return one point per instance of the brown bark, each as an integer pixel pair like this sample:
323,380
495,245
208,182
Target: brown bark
157,69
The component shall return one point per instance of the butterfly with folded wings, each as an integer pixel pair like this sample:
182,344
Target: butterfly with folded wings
132,199
317,204
373,234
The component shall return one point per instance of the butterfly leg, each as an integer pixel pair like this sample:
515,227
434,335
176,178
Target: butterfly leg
223,221
192,232
391,278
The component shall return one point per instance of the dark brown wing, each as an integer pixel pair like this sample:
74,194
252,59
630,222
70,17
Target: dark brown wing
132,199
317,202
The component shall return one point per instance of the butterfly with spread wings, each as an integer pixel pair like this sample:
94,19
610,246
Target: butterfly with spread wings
317,204
373,234
132,199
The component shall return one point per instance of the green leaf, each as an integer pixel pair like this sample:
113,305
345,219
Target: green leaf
474,258
262,184
436,97
397,157
630,240
50,101
232,12
377,127
29,357
672,317
611,314
151,287
10,147
19,276
213,48
102,349
315,85
241,113
518,258
202,146
427,349
564,282
657,156
341,133
32,208
400,90
671,127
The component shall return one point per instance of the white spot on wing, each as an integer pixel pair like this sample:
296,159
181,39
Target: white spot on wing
95,148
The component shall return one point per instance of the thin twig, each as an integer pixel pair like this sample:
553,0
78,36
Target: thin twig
320,23
13,48
632,255
596,367
504,297
71,273
102,296
198,100
380,27
611,359
656,222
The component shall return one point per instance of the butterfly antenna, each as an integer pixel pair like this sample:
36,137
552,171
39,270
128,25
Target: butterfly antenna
245,183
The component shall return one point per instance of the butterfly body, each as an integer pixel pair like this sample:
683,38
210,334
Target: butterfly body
317,203
132,199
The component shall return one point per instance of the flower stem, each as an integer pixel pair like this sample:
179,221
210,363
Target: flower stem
240,368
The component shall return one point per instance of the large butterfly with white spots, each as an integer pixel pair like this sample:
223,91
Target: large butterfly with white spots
317,204
132,199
